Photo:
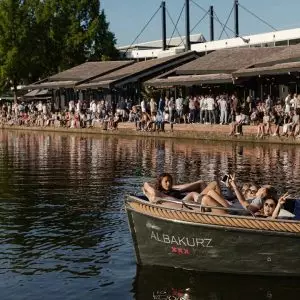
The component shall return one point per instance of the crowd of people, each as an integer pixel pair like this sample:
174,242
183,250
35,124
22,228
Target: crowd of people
272,117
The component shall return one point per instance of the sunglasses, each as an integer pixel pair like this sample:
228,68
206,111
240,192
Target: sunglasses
253,191
271,205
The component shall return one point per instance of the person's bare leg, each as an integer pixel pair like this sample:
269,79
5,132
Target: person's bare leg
233,126
191,197
218,198
208,201
214,185
258,131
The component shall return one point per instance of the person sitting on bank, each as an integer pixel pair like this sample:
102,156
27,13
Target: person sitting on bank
164,190
236,126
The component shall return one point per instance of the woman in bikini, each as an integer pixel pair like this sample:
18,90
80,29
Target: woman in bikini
164,192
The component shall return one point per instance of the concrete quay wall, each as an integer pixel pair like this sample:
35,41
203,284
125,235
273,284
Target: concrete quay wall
181,131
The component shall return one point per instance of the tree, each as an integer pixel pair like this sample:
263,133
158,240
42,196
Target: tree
104,41
39,38
13,35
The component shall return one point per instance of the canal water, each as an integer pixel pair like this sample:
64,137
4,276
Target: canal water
63,230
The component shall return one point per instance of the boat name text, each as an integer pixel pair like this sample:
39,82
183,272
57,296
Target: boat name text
181,240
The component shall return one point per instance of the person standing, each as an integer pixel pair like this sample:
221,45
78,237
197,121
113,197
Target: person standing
171,106
223,110
161,105
153,106
185,109
210,109
287,103
179,108
143,106
192,109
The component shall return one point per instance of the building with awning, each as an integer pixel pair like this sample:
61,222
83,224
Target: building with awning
38,95
128,81
79,74
62,85
190,80
106,80
138,72
277,74
213,69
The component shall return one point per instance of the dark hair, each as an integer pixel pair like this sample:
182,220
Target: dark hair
160,178
270,198
271,193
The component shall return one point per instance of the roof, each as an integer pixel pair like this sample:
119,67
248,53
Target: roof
287,54
52,85
226,60
88,70
139,70
269,70
190,80
71,77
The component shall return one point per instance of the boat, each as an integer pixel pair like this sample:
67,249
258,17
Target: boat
202,241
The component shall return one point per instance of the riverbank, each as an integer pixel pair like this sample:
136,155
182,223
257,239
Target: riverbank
180,131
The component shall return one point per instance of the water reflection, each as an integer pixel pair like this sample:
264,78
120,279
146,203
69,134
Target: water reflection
163,284
61,200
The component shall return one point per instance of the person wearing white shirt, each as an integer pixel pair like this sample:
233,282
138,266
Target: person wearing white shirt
223,110
153,106
179,107
287,103
39,107
236,126
44,107
294,102
202,107
143,106
268,102
71,106
171,106
210,109
93,107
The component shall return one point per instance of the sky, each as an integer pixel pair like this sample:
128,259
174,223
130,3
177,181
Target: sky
128,17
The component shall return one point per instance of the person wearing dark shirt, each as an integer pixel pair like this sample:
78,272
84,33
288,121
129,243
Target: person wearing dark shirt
164,192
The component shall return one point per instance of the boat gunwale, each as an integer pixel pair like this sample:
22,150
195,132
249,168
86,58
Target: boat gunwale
131,198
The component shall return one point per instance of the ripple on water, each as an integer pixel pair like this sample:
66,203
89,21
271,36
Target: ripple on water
63,230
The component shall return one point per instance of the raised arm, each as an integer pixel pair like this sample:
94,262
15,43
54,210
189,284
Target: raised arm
238,193
154,195
279,205
196,186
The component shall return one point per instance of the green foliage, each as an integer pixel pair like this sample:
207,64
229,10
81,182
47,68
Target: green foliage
40,38
149,92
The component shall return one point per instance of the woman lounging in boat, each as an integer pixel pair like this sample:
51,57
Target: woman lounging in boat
271,207
164,190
